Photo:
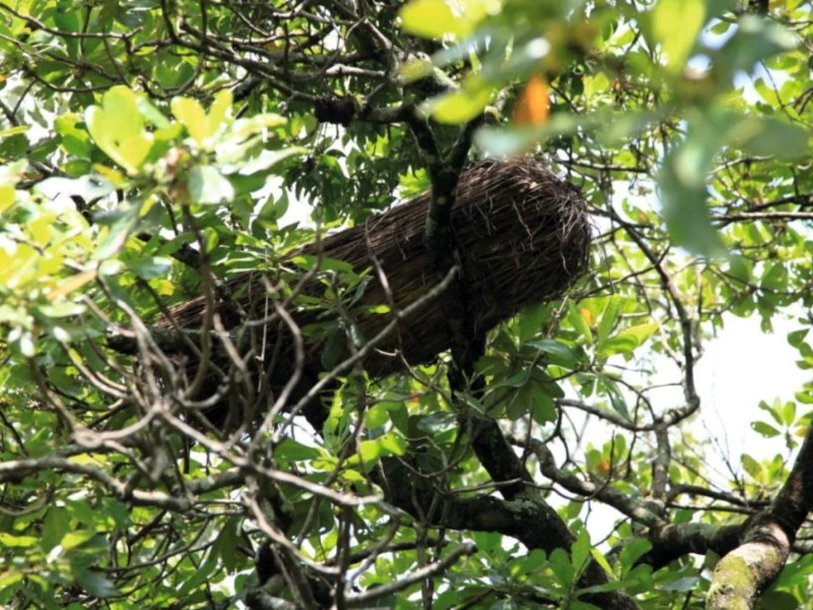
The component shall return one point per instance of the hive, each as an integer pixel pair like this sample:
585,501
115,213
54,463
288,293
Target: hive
522,237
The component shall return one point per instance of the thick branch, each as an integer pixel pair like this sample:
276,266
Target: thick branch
746,571
528,518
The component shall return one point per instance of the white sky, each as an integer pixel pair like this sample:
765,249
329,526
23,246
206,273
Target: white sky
739,368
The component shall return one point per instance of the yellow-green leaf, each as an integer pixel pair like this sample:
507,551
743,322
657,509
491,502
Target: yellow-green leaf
189,112
72,540
202,126
432,19
7,197
13,131
117,127
414,70
439,18
676,24
639,333
458,106
12,541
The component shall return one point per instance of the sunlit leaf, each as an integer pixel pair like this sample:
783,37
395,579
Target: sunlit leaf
458,106
676,24
415,70
7,197
207,185
765,429
200,125
438,18
12,541
117,127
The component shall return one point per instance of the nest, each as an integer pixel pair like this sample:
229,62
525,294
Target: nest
522,237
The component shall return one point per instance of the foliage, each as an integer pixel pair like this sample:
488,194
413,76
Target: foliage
150,151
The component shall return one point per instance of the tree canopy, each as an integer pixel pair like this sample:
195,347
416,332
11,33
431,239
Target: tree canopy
189,417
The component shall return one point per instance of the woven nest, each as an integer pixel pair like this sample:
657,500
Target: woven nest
522,237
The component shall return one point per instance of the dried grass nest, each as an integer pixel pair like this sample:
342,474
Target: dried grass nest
522,237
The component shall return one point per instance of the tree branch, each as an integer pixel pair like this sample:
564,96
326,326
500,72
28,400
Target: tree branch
742,574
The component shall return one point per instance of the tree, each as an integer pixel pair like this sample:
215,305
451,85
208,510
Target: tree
149,154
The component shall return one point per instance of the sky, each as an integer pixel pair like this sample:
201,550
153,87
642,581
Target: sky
740,367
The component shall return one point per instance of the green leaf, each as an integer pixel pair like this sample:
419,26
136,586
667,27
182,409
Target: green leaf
415,70
580,550
226,546
756,39
147,267
788,413
773,411
576,319
19,542
72,540
76,141
638,335
562,567
435,18
458,107
117,127
370,451
682,585
264,161
778,600
307,261
631,551
764,136
294,451
200,125
558,353
57,523
377,415
750,465
794,574
9,578
208,186
676,24
13,131
121,222
796,338
61,310
393,443
601,560
171,73
8,195
608,319
198,577
682,181
765,429
543,409
616,397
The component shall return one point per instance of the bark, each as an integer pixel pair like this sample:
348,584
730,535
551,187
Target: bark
526,517
673,541
741,575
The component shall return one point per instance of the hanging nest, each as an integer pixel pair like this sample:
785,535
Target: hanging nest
522,237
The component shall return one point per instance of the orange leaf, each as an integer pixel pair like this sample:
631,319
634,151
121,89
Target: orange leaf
533,106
